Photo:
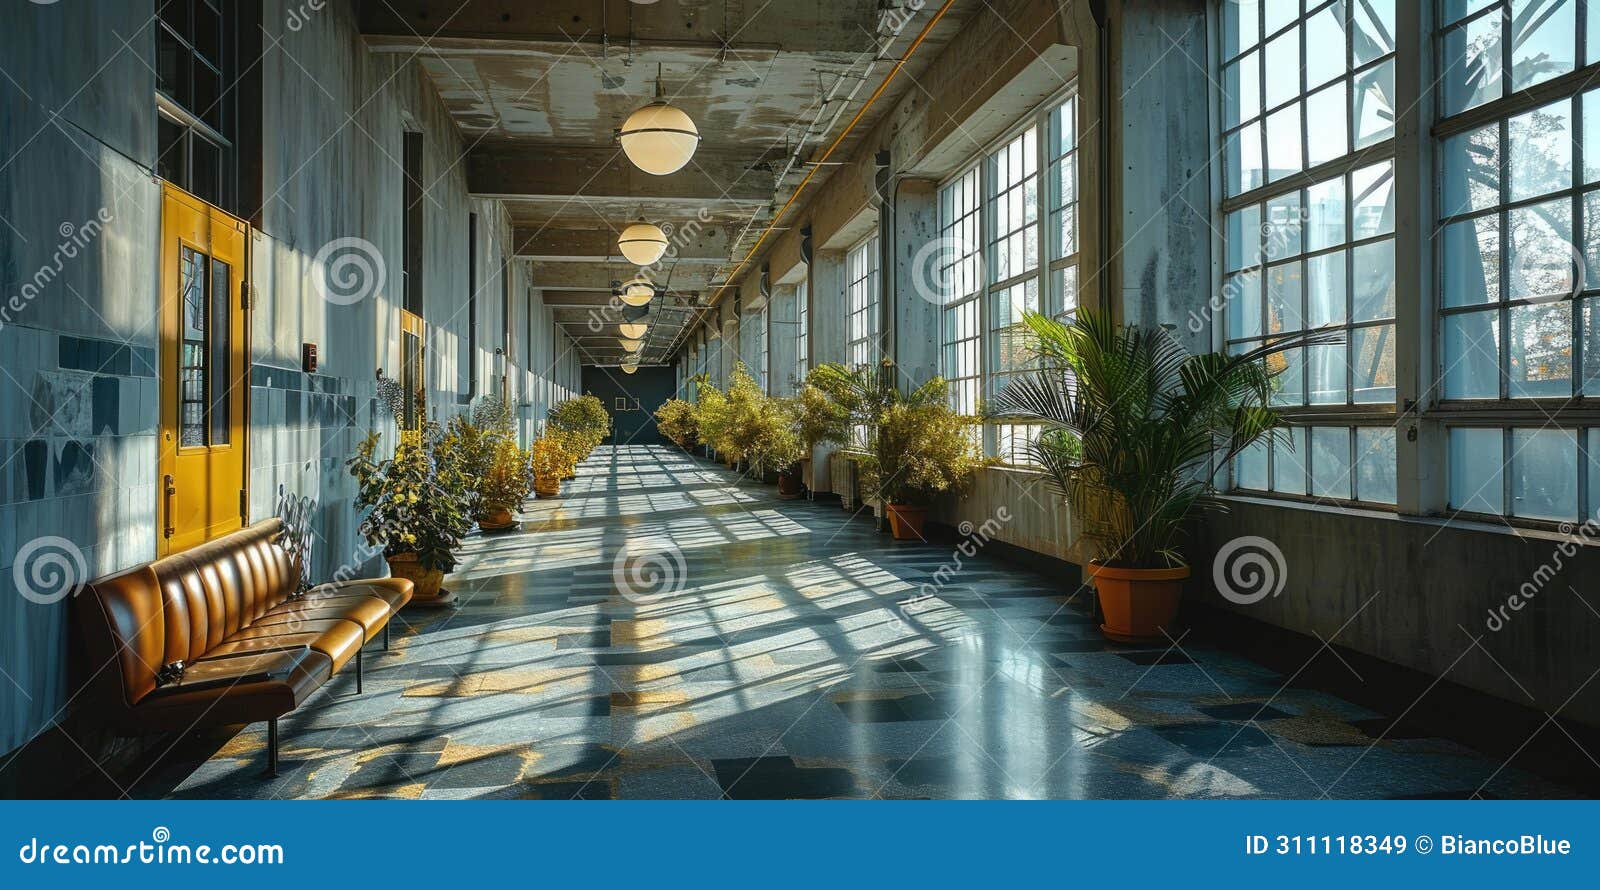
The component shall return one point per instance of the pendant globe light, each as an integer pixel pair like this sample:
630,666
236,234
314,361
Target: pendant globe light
629,369
633,330
642,243
637,292
659,138
631,344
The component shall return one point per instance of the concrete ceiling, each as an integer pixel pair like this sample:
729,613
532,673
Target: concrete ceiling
539,90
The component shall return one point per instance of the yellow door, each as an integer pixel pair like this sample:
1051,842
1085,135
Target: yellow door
204,371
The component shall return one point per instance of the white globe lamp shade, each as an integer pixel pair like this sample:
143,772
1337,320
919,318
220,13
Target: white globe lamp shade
631,344
629,369
633,330
642,243
638,292
659,138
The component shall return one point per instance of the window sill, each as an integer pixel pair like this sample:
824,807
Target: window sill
1479,526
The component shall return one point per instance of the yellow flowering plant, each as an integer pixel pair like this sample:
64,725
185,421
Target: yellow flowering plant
411,506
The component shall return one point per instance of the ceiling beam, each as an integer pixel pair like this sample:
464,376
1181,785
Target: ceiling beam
513,170
711,244
619,28
682,278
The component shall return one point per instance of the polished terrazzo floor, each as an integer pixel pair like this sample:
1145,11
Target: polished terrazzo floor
775,657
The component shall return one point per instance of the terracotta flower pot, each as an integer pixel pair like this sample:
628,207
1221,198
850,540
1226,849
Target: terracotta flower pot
789,486
426,583
1140,605
496,519
547,486
905,522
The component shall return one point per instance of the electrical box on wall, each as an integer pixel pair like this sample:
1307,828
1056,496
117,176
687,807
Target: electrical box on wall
308,358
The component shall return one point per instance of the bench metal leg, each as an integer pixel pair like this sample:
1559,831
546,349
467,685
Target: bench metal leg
272,748
386,636
358,670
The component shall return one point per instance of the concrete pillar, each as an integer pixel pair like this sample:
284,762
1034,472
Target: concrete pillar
913,281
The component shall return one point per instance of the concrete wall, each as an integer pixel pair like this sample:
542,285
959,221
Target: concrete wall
78,391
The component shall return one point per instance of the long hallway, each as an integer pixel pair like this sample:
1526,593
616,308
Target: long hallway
666,630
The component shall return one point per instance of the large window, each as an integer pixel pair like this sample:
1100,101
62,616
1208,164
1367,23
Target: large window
1008,226
960,276
1518,233
195,123
861,268
1309,235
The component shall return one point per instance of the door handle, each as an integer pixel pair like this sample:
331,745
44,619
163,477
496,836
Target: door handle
168,490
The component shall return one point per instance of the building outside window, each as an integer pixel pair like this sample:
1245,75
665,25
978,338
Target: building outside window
802,361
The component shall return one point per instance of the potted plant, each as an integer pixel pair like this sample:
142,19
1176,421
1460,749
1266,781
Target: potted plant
675,419
586,420
1131,424
818,419
414,514
713,417
553,458
771,444
502,487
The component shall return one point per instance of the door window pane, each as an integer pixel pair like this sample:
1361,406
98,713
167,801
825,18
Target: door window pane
194,351
219,373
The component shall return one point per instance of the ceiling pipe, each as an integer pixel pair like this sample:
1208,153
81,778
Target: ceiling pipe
832,147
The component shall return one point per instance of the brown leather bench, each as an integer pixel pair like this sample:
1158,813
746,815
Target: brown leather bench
219,634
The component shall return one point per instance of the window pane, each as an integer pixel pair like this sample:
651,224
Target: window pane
1241,25
1372,30
1283,66
1325,214
219,373
1375,464
1283,299
1541,150
194,355
1372,190
1327,137
1244,237
1541,351
1541,260
1591,354
1284,156
1455,10
1244,159
1469,64
1284,224
1288,462
1325,48
1327,369
1372,364
1592,438
1244,305
1289,383
1280,13
1372,105
1325,289
1591,112
1241,91
1471,171
1471,356
1373,271
1542,40
1330,462
1476,470
1250,467
1471,273
1544,474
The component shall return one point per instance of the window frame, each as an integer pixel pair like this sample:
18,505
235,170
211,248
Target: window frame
865,349
1042,276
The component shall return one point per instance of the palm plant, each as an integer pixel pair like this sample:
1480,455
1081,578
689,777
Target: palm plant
1132,421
